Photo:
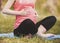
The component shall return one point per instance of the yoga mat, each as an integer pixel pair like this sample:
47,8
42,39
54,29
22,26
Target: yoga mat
53,37
8,35
11,35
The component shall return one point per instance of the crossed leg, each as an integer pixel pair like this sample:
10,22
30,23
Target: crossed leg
44,25
28,28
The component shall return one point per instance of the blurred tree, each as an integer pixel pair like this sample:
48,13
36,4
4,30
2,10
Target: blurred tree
51,6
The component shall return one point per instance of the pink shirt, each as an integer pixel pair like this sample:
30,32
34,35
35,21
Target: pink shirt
19,18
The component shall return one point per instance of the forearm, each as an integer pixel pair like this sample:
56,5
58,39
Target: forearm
12,12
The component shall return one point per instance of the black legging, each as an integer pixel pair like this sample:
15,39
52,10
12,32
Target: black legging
28,26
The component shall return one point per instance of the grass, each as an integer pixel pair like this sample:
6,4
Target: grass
6,26
7,22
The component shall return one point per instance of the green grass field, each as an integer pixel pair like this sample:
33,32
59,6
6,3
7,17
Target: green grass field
7,22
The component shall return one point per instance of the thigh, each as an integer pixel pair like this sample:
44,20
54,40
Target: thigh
47,22
26,27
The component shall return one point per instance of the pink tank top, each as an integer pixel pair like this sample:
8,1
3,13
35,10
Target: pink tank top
19,18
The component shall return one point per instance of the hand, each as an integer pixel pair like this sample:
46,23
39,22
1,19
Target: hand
23,12
30,10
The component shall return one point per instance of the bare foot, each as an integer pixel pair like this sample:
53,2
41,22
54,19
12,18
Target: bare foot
47,35
28,36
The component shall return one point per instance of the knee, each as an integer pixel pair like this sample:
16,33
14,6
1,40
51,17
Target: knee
28,21
53,18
